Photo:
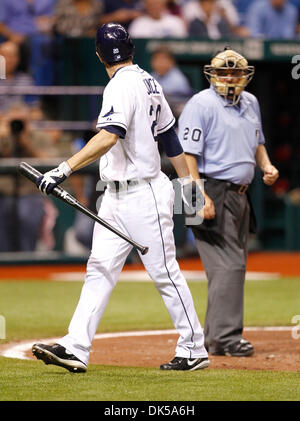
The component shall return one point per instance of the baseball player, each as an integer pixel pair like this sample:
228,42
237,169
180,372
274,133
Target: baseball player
220,131
138,201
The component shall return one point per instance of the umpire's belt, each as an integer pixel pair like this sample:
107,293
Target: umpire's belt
118,186
239,188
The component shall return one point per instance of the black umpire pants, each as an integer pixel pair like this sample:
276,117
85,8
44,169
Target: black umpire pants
224,256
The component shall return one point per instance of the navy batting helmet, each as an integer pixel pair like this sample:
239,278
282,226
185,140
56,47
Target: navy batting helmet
113,43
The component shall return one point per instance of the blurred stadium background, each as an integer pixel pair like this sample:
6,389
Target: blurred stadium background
51,96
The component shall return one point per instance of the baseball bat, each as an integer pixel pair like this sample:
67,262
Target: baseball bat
33,174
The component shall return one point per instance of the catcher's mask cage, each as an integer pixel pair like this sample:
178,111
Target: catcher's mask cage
113,43
229,74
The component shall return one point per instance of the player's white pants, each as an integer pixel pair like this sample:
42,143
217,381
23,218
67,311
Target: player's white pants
143,213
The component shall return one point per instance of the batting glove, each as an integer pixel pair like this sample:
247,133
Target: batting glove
192,195
48,181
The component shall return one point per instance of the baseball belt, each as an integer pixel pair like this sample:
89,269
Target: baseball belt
239,188
119,186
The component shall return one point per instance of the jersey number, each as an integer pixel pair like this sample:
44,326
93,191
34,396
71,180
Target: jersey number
156,117
196,134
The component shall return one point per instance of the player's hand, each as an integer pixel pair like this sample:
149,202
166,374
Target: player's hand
270,175
192,195
209,208
47,182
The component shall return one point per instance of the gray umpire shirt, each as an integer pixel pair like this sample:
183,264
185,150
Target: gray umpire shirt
224,138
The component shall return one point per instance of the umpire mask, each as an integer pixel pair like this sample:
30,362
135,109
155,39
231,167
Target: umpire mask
229,74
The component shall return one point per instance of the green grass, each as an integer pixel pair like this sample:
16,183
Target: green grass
272,303
42,309
30,380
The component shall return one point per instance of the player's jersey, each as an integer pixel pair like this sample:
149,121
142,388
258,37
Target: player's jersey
134,101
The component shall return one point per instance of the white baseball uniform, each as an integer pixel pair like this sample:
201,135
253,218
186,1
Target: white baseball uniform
142,209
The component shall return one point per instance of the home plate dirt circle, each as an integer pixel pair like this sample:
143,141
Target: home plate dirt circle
274,350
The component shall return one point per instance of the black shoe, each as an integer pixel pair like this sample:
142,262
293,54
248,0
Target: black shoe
179,363
58,355
241,348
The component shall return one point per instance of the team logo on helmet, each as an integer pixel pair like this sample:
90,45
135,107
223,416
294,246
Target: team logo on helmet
229,74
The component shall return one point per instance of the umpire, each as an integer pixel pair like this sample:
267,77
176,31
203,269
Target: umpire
221,133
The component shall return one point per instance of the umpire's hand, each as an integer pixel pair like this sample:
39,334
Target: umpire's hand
209,208
270,175
47,182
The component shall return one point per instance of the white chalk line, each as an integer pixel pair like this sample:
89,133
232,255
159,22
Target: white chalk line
142,276
19,350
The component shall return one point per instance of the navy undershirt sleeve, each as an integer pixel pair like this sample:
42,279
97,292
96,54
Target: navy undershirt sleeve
120,131
170,142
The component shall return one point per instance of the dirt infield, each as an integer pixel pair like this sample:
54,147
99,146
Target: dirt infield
274,350
284,264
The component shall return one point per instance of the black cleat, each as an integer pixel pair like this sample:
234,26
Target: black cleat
58,355
241,348
186,364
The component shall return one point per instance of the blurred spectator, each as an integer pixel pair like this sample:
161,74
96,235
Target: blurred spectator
77,18
84,188
19,19
60,141
157,22
242,7
22,207
294,196
272,19
120,11
296,3
173,7
30,22
168,75
11,53
211,18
